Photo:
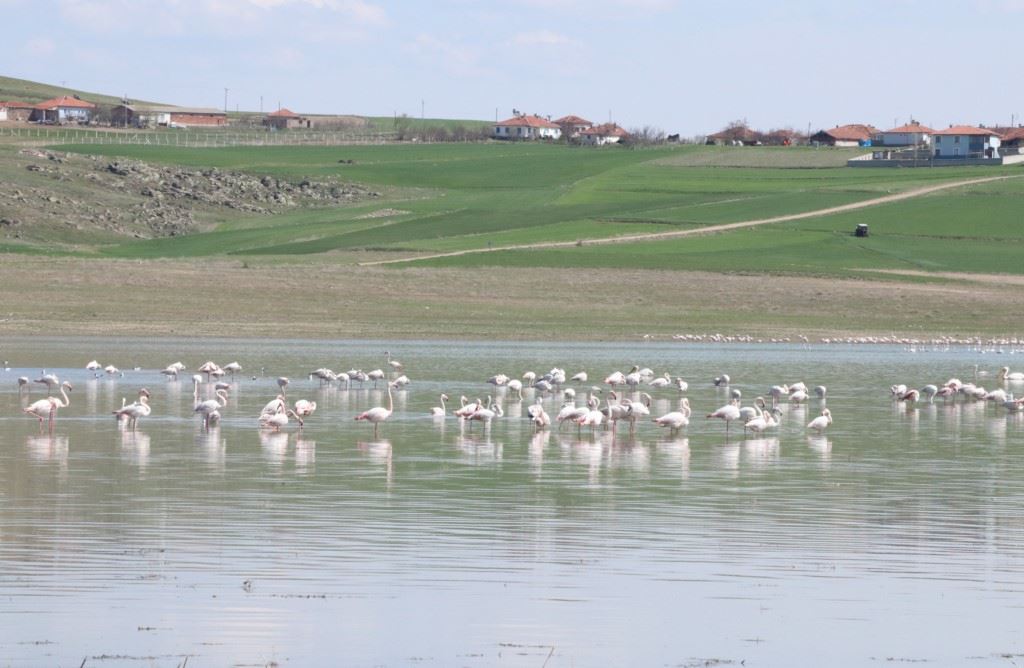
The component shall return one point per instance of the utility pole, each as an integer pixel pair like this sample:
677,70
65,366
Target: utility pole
423,108
261,105
226,99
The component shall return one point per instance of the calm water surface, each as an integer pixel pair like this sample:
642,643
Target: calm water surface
897,537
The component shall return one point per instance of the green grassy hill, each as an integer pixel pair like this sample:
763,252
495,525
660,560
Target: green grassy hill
23,90
457,197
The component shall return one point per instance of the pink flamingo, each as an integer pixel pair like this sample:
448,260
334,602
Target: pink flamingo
378,414
49,406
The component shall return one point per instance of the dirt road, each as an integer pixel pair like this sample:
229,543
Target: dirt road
709,229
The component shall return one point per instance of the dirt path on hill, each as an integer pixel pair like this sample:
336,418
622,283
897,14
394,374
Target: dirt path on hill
709,229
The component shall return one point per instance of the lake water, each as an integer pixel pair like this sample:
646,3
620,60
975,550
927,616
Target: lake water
896,537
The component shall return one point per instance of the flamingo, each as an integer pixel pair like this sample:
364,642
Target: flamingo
675,420
614,412
581,377
529,377
467,407
639,409
498,380
663,381
22,384
569,412
282,383
797,396
400,382
486,415
820,423
634,377
681,384
132,412
92,366
232,368
721,381
821,391
111,370
728,413
616,378
440,411
278,420
50,380
49,405
274,406
211,405
1005,375
375,375
592,418
394,364
378,414
208,367
304,407
517,387
171,372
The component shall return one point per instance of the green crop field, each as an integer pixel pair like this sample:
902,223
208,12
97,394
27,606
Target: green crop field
476,196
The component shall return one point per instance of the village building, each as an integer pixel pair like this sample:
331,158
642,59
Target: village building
1012,138
572,126
911,134
64,109
285,119
734,135
15,111
526,127
162,115
846,135
599,135
966,141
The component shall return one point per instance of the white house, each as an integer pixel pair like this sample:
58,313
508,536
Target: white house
64,109
599,135
527,127
572,125
966,141
911,134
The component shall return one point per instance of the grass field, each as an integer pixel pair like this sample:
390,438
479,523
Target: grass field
23,90
441,198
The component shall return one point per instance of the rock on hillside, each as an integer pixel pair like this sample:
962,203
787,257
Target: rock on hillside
90,195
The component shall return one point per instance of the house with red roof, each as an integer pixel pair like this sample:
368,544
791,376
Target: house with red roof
846,135
284,119
966,141
911,134
1013,137
526,126
11,110
572,125
64,109
599,135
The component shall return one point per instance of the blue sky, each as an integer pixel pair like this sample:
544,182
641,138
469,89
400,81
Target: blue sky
686,67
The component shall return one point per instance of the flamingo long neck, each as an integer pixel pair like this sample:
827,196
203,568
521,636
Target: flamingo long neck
67,402
391,401
443,410
222,398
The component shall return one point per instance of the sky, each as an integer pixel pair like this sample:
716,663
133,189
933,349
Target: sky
680,66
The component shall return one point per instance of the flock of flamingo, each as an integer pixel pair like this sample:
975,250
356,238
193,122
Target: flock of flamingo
590,411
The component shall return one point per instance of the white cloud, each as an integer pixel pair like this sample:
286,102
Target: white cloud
455,58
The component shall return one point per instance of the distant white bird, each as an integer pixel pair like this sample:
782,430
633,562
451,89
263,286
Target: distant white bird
677,419
278,420
378,414
50,380
721,381
663,381
304,407
727,413
276,405
581,377
1006,374
22,384
400,382
375,375
111,370
498,380
232,368
206,408
440,411
394,364
820,423
48,407
132,412
92,366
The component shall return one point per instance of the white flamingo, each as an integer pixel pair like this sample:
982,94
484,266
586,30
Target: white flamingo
49,406
208,407
675,420
375,375
394,364
50,380
232,368
486,415
274,406
22,384
1006,375
820,423
440,411
305,407
581,377
727,413
278,420
663,381
92,366
132,412
378,414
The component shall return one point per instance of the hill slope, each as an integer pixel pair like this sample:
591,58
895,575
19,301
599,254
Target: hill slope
24,90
